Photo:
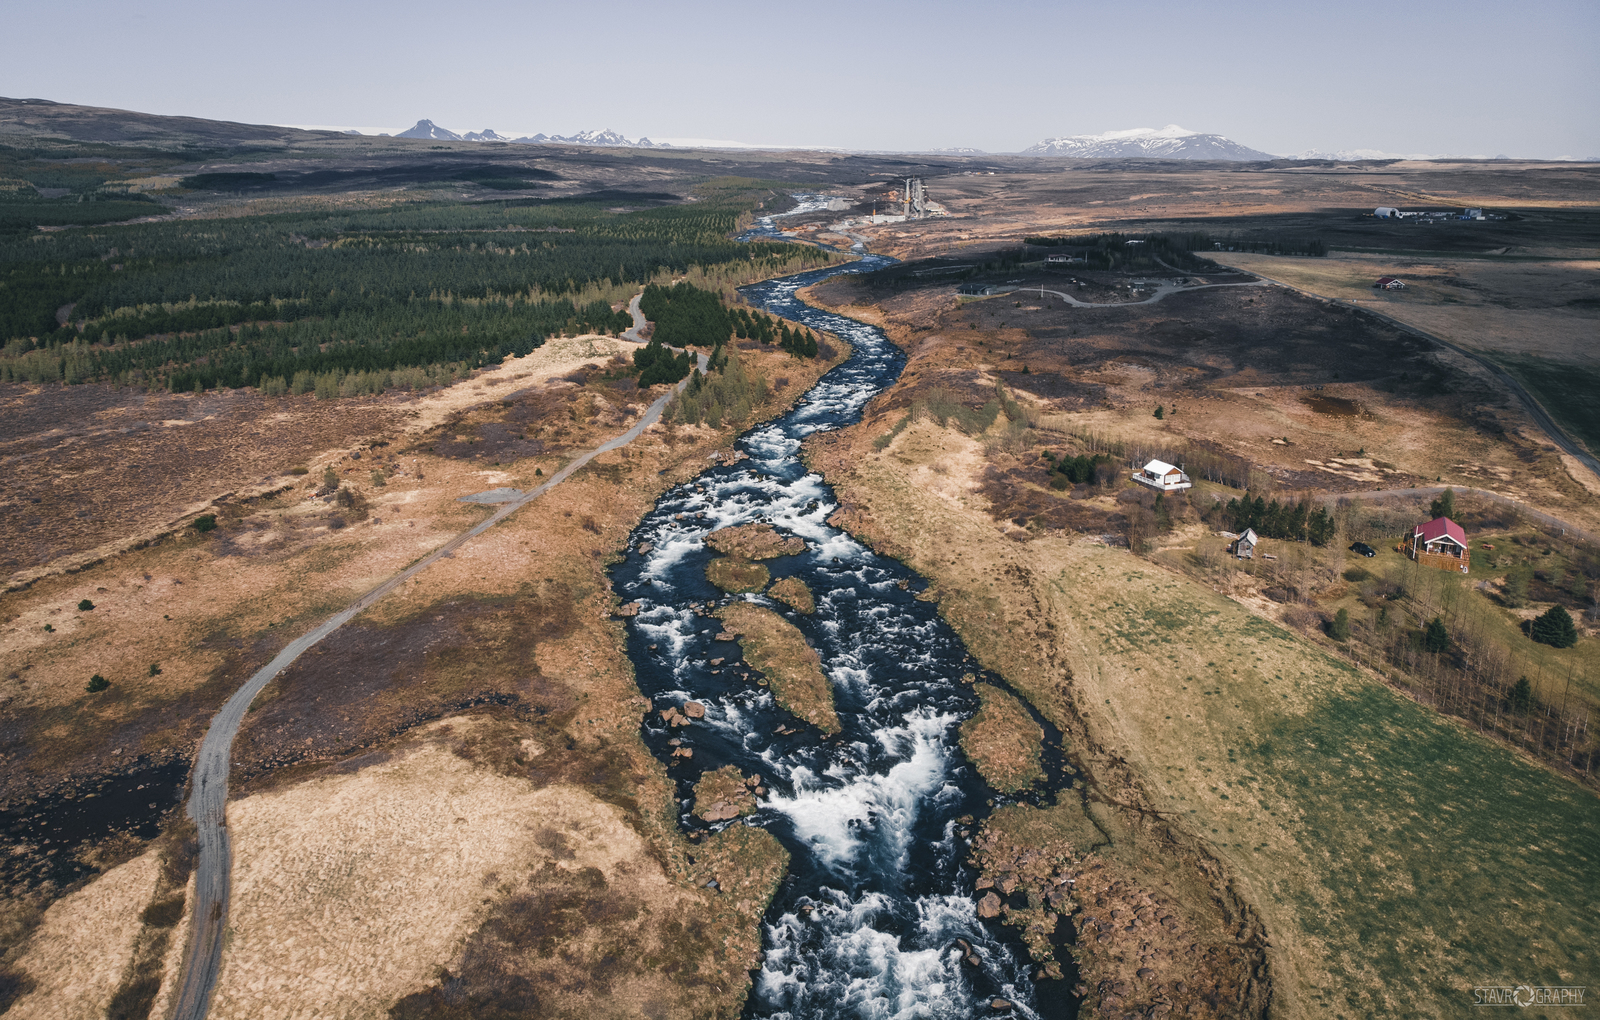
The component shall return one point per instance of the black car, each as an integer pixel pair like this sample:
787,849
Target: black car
1364,549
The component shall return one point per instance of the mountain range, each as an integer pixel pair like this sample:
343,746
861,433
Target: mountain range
1170,142
608,138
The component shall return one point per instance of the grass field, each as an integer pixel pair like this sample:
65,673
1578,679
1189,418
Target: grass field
1396,858
1567,391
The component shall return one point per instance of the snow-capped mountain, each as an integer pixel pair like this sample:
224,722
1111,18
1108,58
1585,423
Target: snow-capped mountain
428,129
1354,154
1170,142
606,138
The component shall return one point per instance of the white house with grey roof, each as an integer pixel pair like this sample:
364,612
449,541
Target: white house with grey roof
1162,477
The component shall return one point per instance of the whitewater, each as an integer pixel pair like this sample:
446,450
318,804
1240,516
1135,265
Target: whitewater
866,923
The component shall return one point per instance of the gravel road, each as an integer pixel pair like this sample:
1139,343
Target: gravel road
209,793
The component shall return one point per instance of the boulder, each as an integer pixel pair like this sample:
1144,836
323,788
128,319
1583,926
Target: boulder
726,635
631,609
989,906
694,710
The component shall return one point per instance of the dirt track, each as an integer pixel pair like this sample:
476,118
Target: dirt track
208,801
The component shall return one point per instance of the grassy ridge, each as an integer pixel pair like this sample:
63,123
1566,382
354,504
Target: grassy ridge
1397,858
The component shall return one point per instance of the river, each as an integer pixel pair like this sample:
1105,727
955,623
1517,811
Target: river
866,923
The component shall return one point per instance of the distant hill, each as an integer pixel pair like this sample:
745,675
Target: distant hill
43,118
1170,142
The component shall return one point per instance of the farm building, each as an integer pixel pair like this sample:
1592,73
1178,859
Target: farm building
975,289
1244,547
1385,212
1162,477
1389,283
1441,543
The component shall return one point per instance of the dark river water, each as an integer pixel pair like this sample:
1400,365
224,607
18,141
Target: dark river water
878,894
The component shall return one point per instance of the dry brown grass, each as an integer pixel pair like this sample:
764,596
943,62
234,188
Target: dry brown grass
793,592
731,573
776,647
77,956
524,619
1003,741
754,542
1549,309
353,889
724,793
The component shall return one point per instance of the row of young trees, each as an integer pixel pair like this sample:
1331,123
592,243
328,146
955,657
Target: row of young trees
381,338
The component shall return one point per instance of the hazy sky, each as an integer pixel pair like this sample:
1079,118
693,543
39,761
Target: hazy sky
1450,78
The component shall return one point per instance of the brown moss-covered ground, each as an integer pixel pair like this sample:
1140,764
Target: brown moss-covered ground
1003,741
725,793
776,647
754,542
731,573
793,592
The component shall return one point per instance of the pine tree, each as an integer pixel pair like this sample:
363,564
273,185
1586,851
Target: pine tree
1341,625
1445,505
1554,628
1436,638
1521,696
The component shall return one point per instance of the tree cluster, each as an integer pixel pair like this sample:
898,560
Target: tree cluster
686,316
760,326
1296,522
657,364
1077,470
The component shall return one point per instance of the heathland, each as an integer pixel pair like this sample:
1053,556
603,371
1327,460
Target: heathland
1361,783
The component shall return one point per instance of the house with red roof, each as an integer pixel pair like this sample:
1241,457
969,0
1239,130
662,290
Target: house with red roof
1390,283
1441,543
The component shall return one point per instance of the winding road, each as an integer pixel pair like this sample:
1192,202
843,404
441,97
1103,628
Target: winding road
209,795
1166,290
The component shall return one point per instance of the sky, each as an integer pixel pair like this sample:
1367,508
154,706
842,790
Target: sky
1457,78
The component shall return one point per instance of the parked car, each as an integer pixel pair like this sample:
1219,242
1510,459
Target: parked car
1364,549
